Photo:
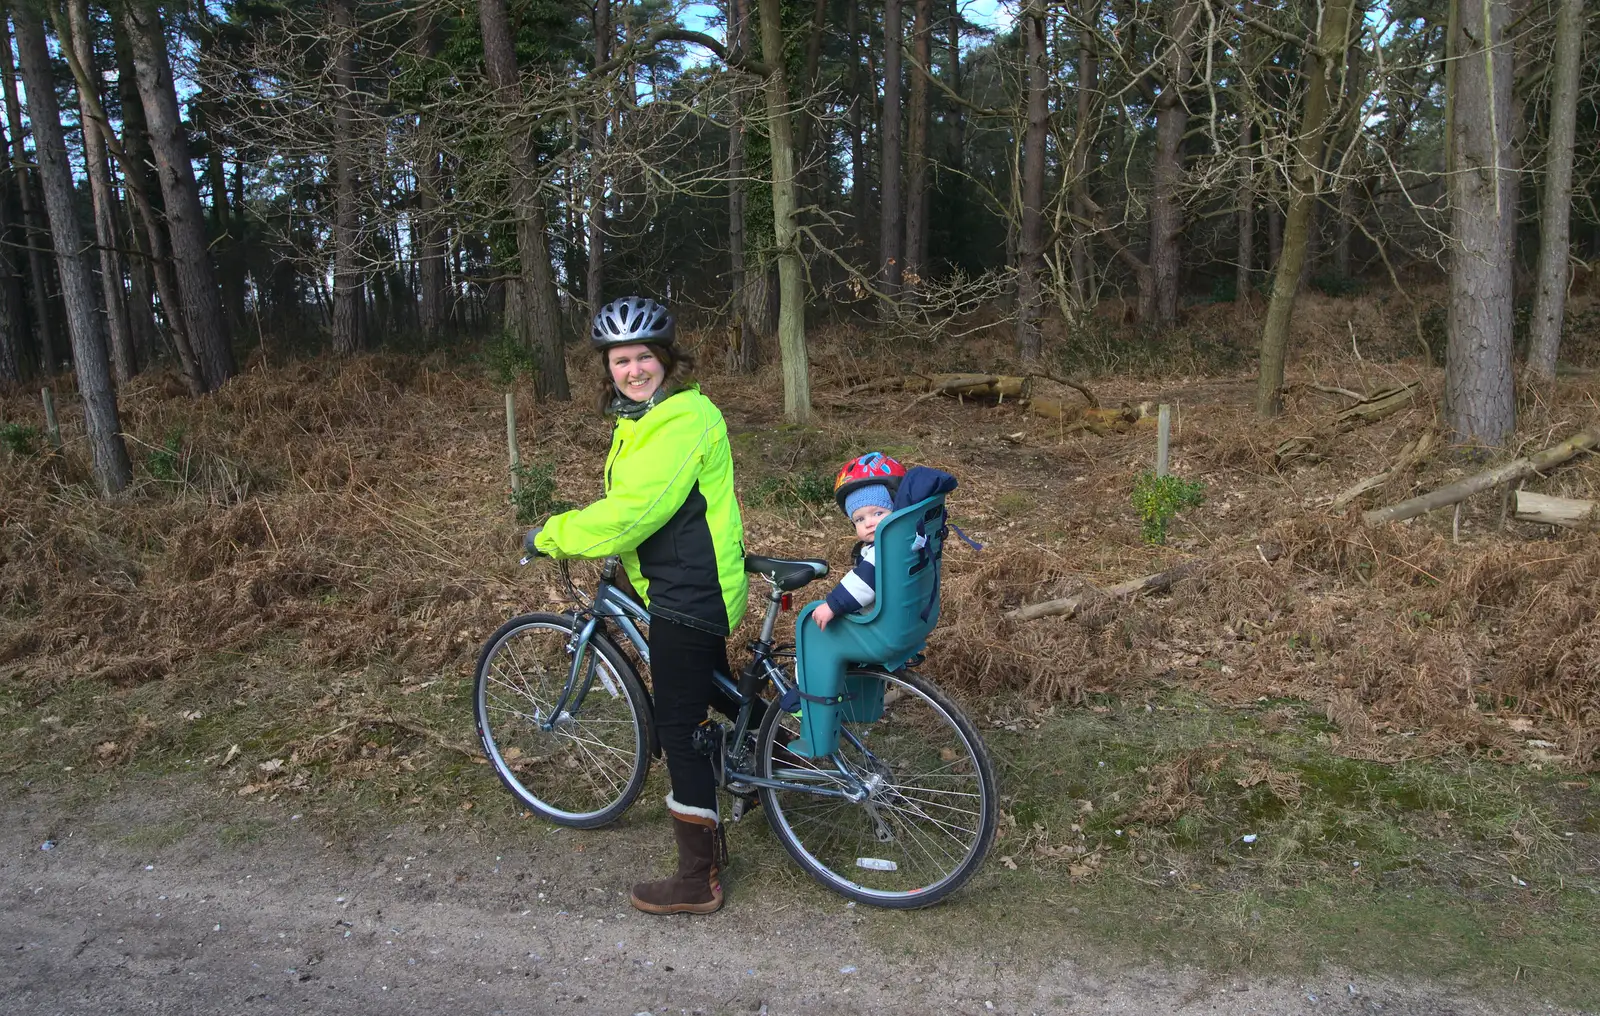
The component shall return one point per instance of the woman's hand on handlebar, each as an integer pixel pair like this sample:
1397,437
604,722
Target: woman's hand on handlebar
530,549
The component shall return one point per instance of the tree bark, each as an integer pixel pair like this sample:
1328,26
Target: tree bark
1305,184
113,296
746,355
1479,400
539,316
1244,266
805,136
11,329
1082,140
791,282
91,363
432,237
1030,247
958,115
891,224
143,188
858,142
37,233
349,288
205,324
1159,303
1555,248
916,252
595,278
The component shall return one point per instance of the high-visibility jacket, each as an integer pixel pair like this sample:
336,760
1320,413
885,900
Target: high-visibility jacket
670,513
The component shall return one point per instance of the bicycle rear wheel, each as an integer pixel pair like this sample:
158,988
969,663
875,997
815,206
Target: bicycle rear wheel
930,814
588,768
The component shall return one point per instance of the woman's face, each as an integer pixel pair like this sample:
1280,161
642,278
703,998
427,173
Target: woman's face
635,371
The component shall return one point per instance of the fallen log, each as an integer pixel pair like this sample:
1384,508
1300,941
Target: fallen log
1069,606
1459,491
1567,512
1409,458
1099,421
1375,407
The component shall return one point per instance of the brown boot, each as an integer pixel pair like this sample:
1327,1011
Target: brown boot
702,852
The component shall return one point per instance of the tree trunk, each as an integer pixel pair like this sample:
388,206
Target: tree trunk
38,235
858,143
805,136
890,204
746,355
1555,248
141,287
595,279
1030,247
205,323
1274,235
144,188
432,239
1479,400
958,115
11,329
916,253
1305,183
539,315
1244,267
112,469
349,288
791,283
1082,141
1159,305
114,298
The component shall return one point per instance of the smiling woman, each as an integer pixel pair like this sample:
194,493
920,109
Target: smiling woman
670,514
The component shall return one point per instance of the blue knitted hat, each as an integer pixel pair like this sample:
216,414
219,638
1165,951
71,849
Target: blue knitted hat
873,494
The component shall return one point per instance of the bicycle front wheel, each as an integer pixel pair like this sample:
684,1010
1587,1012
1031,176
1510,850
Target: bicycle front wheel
929,814
590,765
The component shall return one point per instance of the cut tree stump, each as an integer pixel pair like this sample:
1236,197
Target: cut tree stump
1516,469
1567,512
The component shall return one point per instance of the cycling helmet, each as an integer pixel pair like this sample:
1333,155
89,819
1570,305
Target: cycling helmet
865,470
631,320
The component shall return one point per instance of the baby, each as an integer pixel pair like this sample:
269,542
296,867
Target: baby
864,490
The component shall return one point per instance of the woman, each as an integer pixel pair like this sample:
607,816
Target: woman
669,512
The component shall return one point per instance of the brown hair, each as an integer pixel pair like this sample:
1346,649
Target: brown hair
679,363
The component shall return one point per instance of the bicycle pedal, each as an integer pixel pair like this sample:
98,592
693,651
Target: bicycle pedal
743,806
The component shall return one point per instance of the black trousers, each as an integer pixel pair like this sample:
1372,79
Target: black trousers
682,660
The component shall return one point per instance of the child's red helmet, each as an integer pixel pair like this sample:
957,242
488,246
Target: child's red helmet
866,470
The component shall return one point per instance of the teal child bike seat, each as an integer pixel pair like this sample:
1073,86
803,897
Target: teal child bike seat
910,547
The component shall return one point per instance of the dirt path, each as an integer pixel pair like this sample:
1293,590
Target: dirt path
419,923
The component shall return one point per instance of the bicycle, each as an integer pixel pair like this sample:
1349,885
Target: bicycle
900,816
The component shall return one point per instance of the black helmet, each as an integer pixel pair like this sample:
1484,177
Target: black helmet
630,320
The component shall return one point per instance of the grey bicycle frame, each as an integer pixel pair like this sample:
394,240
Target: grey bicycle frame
611,602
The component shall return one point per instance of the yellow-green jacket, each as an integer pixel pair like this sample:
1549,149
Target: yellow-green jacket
670,513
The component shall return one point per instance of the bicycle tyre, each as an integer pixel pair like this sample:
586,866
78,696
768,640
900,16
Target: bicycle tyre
936,795
588,770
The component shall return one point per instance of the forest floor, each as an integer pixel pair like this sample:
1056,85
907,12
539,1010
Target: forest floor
1362,770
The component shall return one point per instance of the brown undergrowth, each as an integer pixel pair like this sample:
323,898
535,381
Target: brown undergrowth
357,510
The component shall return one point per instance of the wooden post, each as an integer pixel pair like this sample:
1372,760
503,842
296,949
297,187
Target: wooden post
511,441
51,426
1163,437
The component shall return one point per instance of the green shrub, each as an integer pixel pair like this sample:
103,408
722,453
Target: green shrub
20,438
1159,498
508,360
167,462
534,495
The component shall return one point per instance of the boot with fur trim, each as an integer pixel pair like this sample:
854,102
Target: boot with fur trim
702,853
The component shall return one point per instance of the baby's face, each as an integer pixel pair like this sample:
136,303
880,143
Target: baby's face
866,521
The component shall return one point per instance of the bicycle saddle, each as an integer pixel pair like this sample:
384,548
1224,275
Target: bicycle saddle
784,573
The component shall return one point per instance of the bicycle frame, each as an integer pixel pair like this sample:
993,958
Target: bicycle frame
612,604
